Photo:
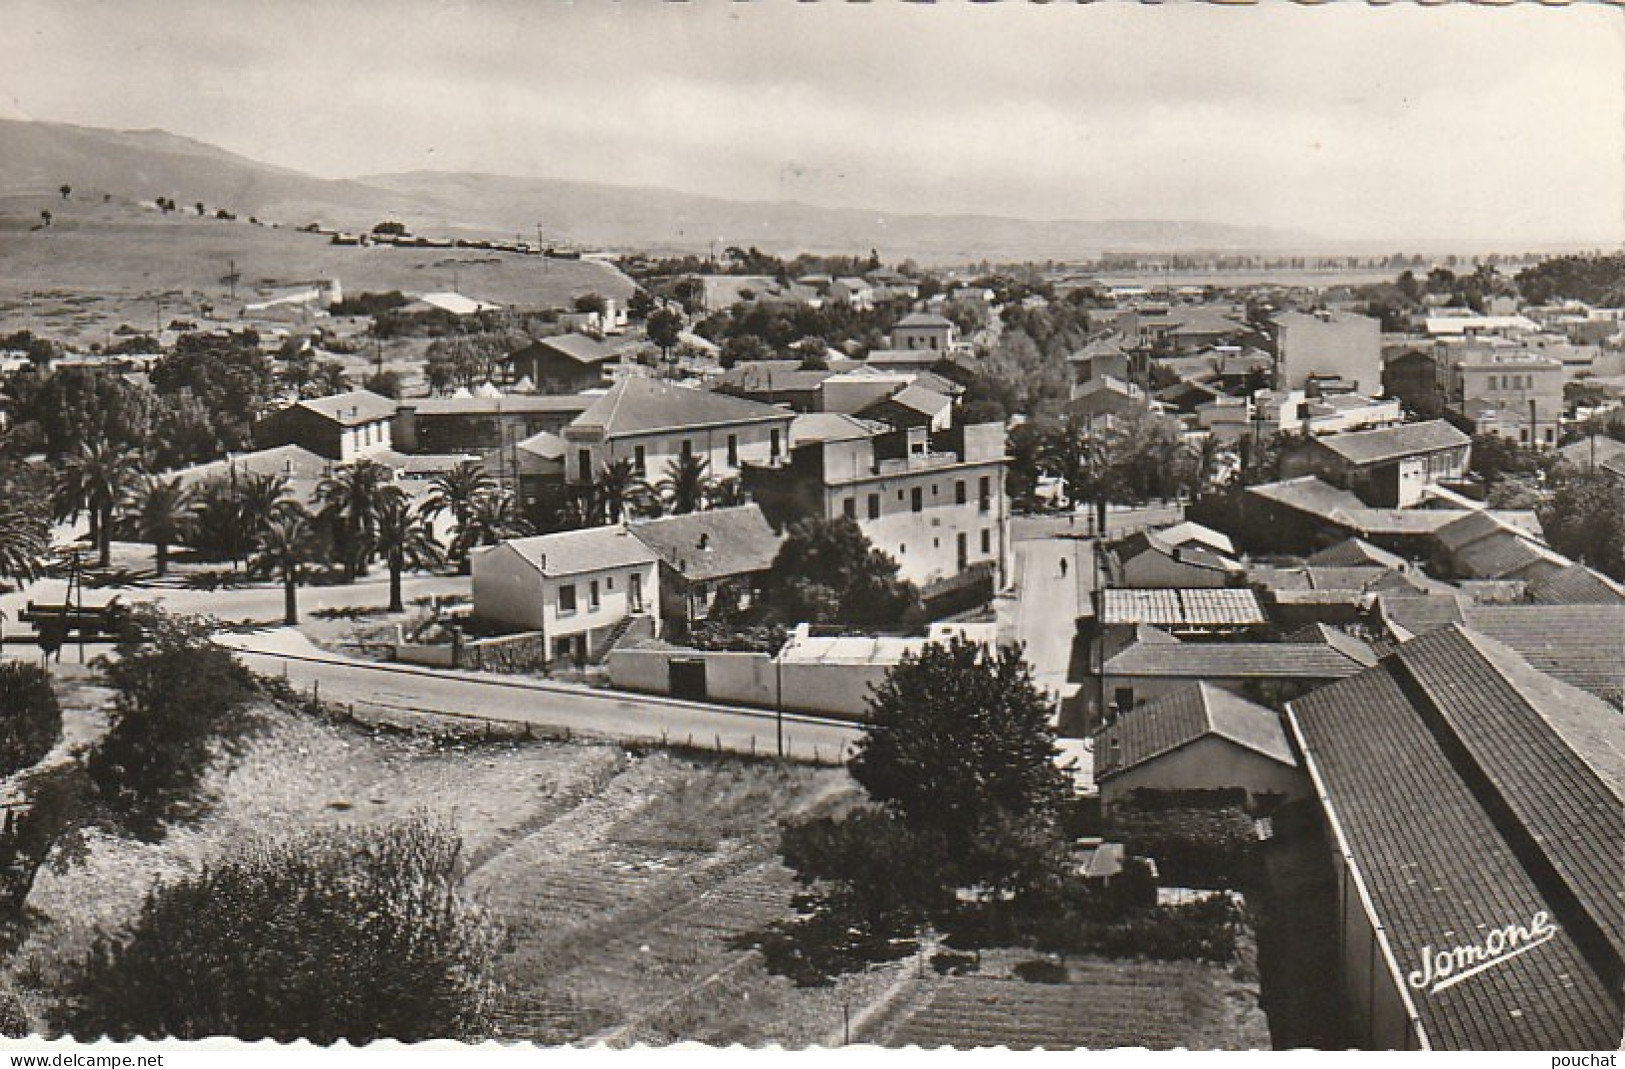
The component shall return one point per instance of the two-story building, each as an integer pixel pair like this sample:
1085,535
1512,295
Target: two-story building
580,589
1387,468
654,423
342,427
934,503
1518,396
701,554
562,364
924,330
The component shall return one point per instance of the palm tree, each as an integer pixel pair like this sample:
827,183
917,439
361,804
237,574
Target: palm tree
95,478
1084,461
1204,463
458,492
162,510
494,518
620,488
256,500
687,483
405,540
25,532
284,547
350,500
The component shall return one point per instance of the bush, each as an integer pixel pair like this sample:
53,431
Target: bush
1207,846
30,716
179,701
54,803
355,934
1193,931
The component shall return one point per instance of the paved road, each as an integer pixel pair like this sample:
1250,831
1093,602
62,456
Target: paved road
510,699
1043,616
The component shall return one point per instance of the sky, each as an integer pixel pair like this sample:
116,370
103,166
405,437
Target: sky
1347,121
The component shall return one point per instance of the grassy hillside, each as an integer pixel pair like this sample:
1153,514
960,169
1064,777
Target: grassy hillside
35,158
102,264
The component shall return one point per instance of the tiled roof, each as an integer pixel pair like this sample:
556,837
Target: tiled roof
1506,554
1159,727
831,427
1576,585
1234,660
1391,443
351,409
1583,645
1419,615
292,461
490,406
1413,757
1353,648
1469,527
916,397
1307,493
767,376
640,406
578,347
924,319
1181,608
712,544
576,552
1353,553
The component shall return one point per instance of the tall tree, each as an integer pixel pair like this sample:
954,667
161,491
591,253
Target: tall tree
95,479
664,326
458,492
161,512
350,500
1082,460
283,549
687,483
405,540
959,745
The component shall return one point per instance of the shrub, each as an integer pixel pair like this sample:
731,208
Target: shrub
1207,846
54,803
179,701
356,934
30,716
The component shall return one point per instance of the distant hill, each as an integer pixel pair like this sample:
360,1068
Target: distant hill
35,158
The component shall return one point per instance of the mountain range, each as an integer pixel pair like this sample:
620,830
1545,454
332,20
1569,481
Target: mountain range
38,157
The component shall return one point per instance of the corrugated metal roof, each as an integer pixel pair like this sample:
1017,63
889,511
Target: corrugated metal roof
1181,608
1233,660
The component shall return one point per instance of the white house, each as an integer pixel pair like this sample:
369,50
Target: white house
578,588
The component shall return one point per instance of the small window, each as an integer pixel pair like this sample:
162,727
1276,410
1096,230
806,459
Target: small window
987,540
1123,698
688,448
609,582
639,460
567,599
849,508
984,493
733,450
916,500
874,506
959,492
593,598
775,441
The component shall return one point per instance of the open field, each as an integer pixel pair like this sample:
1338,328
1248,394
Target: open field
101,265
1160,1005
623,883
